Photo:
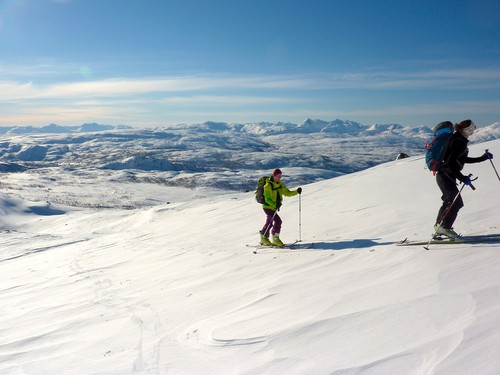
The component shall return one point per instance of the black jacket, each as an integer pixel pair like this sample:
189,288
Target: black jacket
456,155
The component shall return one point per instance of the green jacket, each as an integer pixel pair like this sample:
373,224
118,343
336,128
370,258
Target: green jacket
273,193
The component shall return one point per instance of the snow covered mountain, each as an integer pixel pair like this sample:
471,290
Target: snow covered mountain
217,155
172,288
57,129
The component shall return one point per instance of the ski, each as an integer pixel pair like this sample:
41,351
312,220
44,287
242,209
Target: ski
483,238
296,245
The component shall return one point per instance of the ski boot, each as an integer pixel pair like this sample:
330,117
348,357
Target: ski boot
277,241
447,232
264,240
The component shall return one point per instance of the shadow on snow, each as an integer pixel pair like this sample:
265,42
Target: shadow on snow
351,244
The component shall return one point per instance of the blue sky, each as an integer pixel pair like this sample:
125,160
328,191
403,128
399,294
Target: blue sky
160,62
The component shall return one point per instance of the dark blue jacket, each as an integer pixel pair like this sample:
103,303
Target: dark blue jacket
456,155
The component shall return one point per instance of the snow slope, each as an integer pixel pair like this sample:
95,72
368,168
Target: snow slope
172,289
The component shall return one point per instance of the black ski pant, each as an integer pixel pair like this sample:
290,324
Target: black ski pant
448,213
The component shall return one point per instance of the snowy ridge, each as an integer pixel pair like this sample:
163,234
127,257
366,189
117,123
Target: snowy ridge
488,133
173,288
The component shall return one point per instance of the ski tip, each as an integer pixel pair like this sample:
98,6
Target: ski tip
402,242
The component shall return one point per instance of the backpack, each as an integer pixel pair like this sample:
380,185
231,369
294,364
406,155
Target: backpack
436,150
259,193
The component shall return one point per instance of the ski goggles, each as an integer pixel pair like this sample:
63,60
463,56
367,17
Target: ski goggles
469,130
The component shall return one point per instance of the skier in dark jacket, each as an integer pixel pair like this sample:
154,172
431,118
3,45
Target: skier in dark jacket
456,155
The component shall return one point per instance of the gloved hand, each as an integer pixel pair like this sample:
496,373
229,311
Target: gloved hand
488,155
299,190
467,181
278,205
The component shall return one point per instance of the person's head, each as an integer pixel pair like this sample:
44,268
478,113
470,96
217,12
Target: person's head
277,174
466,128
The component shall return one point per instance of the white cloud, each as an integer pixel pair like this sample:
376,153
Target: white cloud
121,87
230,100
233,97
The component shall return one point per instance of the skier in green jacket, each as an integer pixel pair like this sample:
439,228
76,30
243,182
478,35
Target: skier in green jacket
274,190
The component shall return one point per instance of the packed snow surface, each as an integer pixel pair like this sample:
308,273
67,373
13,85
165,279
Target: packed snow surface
98,283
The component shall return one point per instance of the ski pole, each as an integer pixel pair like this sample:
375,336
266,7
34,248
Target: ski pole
493,165
448,211
300,218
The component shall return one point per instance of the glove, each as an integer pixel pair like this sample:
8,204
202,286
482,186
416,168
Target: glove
467,181
488,155
299,190
278,205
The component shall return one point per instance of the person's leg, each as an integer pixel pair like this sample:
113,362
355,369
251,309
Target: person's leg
448,213
277,224
268,224
276,231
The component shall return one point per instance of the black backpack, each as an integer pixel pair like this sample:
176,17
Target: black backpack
259,193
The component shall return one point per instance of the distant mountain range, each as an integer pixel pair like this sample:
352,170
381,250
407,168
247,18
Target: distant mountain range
192,154
309,126
58,129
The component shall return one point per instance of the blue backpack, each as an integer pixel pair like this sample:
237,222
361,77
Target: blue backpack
436,150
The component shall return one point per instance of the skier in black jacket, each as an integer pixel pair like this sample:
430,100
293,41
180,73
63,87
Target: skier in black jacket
456,155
